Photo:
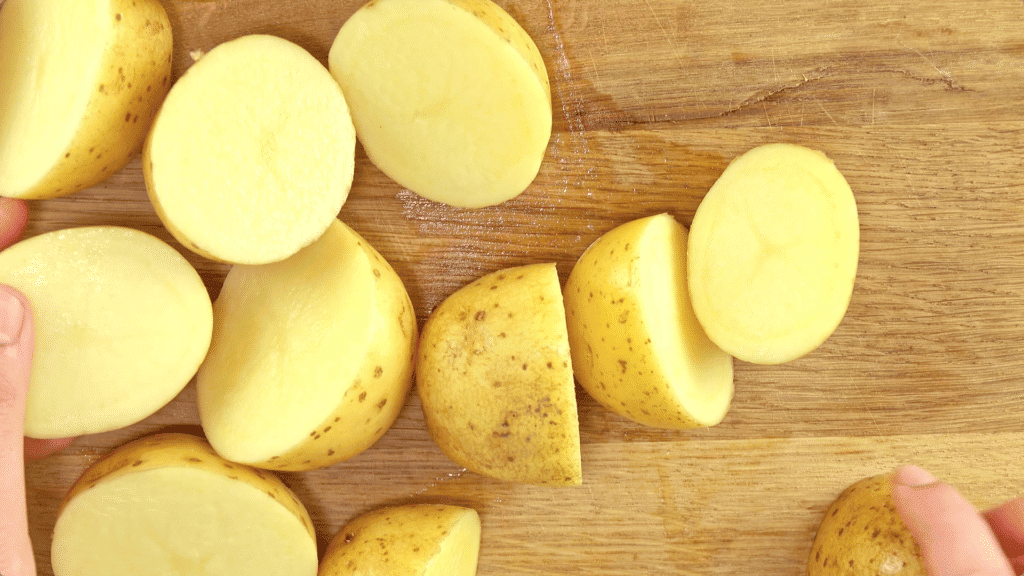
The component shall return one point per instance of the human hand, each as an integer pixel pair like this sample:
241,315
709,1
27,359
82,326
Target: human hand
955,538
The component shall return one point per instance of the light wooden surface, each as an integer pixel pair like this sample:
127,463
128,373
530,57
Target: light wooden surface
920,104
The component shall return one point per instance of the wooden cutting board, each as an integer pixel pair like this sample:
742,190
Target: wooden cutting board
920,104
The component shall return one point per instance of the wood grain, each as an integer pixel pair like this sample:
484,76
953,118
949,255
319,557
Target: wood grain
920,105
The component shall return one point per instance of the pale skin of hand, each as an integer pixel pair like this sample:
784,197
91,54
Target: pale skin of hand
16,343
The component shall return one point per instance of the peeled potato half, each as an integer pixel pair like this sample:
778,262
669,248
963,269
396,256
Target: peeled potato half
252,153
637,347
450,98
80,81
407,540
773,254
312,357
168,504
122,322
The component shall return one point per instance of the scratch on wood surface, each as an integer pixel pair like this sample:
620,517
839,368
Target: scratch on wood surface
664,32
873,105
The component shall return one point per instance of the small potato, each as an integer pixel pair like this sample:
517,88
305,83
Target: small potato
409,540
495,378
80,82
863,535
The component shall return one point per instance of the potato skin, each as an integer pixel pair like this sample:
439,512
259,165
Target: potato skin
862,534
135,76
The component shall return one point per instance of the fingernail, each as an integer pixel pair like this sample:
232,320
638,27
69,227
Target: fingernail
913,476
12,318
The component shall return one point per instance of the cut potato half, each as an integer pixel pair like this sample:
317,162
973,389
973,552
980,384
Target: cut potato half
450,98
122,322
252,154
495,378
168,504
408,540
773,254
312,357
80,81
637,347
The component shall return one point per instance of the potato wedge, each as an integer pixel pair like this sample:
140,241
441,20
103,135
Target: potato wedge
407,540
773,254
450,98
168,504
252,153
495,378
122,322
80,82
312,357
636,345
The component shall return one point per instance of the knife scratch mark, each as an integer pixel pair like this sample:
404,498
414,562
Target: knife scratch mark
664,32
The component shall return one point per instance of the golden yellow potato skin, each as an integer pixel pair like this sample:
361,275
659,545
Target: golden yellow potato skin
495,378
862,534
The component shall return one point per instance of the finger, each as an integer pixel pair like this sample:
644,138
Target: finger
16,337
38,449
13,219
1007,522
954,538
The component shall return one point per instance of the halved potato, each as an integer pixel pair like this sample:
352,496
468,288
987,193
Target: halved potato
773,254
122,322
167,504
636,345
495,378
80,81
407,540
252,154
450,98
312,357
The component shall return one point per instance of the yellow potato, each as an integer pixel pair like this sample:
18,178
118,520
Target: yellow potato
252,153
863,535
122,322
80,81
167,504
408,540
773,254
637,347
495,379
312,357
450,98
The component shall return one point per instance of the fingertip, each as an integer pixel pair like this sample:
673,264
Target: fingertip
13,220
913,476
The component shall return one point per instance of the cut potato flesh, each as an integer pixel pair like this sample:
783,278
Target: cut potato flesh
450,98
80,81
409,540
773,254
252,154
122,322
637,347
311,358
495,378
168,505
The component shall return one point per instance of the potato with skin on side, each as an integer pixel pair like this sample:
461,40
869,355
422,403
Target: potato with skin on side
862,534
495,378
312,357
122,323
252,153
450,98
773,254
168,504
407,540
80,82
636,345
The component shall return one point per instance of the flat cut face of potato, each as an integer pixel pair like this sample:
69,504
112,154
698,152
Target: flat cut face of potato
637,347
252,153
80,81
122,322
168,504
773,254
312,357
495,378
449,98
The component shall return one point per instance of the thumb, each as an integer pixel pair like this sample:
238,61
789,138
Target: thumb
954,538
16,338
